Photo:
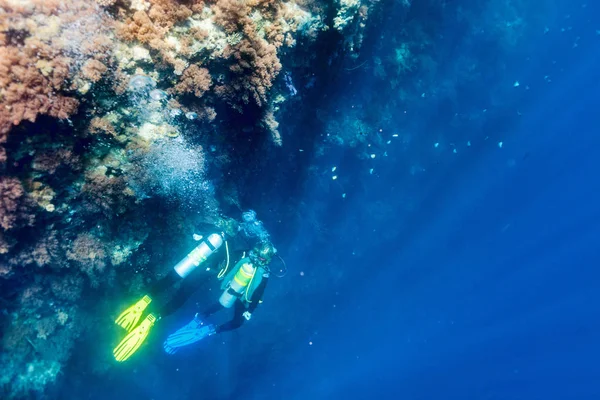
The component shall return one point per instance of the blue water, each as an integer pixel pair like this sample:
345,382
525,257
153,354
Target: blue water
467,275
484,286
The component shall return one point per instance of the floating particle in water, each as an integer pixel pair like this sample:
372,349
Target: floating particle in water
158,94
469,143
500,144
395,135
333,169
141,82
436,145
516,84
191,115
371,171
334,177
373,155
343,195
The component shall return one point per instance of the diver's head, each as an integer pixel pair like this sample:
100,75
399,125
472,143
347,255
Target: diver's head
262,253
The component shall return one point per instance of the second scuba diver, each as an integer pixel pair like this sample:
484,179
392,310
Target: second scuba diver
242,287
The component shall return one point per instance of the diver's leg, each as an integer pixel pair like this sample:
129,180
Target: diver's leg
212,309
164,283
237,320
179,297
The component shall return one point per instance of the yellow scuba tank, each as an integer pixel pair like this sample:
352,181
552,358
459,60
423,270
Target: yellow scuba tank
237,285
198,255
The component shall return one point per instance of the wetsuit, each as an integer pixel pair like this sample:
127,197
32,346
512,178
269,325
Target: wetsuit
172,291
238,309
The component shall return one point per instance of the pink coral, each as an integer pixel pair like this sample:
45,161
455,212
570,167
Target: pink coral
49,161
13,204
93,70
26,92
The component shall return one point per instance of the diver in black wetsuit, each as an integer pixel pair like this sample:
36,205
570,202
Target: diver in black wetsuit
243,286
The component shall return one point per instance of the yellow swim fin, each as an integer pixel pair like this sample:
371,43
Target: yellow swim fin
130,317
134,339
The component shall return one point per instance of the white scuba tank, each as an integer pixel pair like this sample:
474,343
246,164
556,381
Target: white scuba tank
238,285
198,255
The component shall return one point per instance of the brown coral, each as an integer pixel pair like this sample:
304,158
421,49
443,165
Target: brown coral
89,254
106,193
67,288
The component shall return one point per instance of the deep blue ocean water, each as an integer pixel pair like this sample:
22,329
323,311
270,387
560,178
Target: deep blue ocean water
439,275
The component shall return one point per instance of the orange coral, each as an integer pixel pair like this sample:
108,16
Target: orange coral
146,27
165,13
253,73
232,15
93,70
256,64
28,90
139,27
194,80
34,67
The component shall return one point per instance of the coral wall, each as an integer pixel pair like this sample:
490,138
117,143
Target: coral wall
113,110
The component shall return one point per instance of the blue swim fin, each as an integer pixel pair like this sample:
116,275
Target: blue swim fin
194,331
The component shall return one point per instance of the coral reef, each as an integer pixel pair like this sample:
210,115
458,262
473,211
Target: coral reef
104,114
45,58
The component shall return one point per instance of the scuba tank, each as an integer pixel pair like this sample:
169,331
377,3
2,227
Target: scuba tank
237,285
197,256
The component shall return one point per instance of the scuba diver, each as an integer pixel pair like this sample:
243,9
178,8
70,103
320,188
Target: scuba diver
243,287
